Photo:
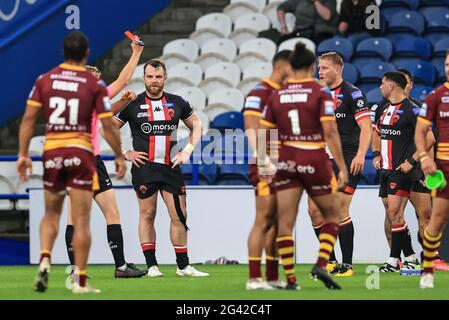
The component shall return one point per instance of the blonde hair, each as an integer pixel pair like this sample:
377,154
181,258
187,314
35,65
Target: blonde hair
333,56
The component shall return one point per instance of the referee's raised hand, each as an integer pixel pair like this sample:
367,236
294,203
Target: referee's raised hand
136,157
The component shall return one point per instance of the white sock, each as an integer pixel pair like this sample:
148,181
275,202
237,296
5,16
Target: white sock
123,268
393,261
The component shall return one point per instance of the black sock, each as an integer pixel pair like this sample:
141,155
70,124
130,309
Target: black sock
149,251
332,257
115,240
396,241
407,247
68,243
346,237
182,259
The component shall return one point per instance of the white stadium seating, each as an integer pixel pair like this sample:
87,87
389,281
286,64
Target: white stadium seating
248,27
210,26
183,75
225,74
255,51
195,96
215,51
224,100
238,8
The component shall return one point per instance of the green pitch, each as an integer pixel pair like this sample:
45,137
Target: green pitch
225,282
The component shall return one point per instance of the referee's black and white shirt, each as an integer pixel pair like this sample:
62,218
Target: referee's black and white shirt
152,123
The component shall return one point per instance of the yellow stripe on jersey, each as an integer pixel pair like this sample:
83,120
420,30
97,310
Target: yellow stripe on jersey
105,115
273,84
95,182
425,121
33,103
305,144
252,113
82,140
267,124
446,85
334,183
72,67
327,118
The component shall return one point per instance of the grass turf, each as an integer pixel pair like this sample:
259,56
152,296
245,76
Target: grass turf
226,282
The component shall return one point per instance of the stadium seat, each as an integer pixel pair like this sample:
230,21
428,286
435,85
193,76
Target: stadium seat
253,74
423,72
350,73
233,174
238,8
369,175
410,4
291,43
389,12
434,37
255,51
420,91
247,27
367,86
342,46
407,21
229,99
270,11
6,188
374,47
228,120
412,47
440,48
405,60
210,26
183,75
432,3
360,62
374,96
180,50
207,173
204,120
438,63
215,51
375,71
22,187
355,38
195,96
37,145
220,75
437,18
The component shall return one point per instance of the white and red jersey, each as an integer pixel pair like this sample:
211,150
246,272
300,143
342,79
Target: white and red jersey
152,123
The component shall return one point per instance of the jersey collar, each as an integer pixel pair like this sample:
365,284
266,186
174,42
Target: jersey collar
72,67
152,99
447,84
339,86
272,84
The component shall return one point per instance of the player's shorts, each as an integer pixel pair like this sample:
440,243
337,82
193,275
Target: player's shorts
443,165
309,169
393,182
69,168
261,188
417,177
151,177
103,177
353,180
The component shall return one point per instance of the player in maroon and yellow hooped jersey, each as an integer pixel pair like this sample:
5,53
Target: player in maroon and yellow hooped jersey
263,233
68,95
435,110
303,112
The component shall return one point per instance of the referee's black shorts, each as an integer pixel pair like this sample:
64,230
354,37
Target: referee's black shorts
153,176
103,177
353,180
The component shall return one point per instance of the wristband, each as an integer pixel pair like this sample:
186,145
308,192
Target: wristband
376,154
124,151
189,148
412,161
424,158
422,155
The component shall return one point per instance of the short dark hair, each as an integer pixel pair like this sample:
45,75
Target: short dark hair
333,56
397,77
407,73
281,56
447,53
156,64
301,57
75,46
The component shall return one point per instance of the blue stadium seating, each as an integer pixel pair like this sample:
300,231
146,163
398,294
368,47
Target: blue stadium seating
434,37
369,174
438,63
431,3
437,18
410,4
232,145
413,47
440,48
368,86
207,173
389,12
355,38
350,73
228,120
360,62
375,71
375,47
342,46
420,91
233,174
373,96
407,21
423,72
